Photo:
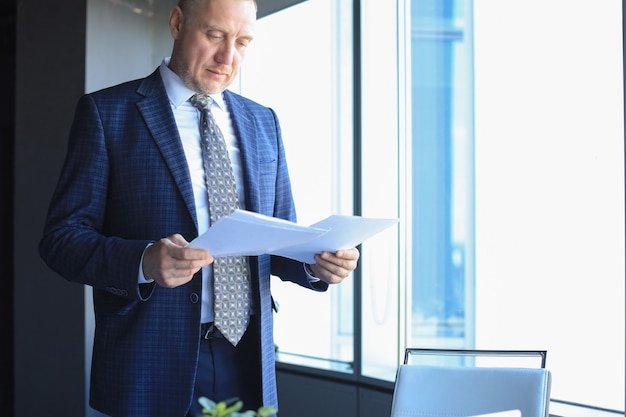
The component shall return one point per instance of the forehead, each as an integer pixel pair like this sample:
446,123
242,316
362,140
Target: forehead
226,14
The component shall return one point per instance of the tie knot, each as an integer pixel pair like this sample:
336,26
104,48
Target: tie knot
201,101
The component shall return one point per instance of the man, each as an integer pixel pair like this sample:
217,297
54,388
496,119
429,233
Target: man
132,194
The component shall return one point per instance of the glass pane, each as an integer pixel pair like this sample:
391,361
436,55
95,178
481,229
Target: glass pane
381,140
306,77
550,189
442,164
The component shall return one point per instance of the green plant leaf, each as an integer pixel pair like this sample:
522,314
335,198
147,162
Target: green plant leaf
206,403
266,411
231,408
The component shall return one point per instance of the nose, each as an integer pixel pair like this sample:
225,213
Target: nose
225,55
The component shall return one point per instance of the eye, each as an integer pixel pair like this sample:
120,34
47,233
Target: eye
215,35
243,42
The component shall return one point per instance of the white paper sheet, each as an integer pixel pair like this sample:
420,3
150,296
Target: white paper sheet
245,233
343,232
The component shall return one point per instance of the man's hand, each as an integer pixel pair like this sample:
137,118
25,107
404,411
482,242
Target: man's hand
170,263
333,268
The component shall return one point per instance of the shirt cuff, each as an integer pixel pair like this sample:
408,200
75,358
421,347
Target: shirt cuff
141,279
310,274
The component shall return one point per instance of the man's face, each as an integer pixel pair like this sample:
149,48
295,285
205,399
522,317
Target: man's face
210,41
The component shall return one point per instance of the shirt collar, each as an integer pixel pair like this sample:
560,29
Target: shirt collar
177,91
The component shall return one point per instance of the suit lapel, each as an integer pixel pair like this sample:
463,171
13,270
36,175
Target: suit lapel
245,129
157,113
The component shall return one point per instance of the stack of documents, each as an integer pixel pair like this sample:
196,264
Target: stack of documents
244,233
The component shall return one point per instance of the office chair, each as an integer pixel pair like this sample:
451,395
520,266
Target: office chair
423,390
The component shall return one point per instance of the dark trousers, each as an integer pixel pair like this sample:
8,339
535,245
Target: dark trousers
225,371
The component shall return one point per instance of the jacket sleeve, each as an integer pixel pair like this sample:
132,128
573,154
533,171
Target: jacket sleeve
75,243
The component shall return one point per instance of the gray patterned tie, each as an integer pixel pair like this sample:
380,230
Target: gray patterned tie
230,273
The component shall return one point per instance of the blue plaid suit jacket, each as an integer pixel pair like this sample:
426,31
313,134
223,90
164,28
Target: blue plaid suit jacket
125,183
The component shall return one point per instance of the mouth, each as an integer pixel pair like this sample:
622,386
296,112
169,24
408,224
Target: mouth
222,72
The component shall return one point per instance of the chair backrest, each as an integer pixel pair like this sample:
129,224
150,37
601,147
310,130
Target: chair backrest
477,357
458,391
508,413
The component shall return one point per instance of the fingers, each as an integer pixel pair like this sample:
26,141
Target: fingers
171,263
333,268
177,239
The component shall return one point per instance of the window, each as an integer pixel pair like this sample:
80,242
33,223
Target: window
300,64
549,194
442,165
494,131
382,186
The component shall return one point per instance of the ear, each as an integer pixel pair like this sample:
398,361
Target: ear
176,22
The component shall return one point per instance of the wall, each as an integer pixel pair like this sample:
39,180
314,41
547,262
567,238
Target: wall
49,312
303,393
7,132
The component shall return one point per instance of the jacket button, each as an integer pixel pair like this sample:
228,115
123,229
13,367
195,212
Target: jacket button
194,297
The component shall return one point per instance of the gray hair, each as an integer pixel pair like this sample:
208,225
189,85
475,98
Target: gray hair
187,5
